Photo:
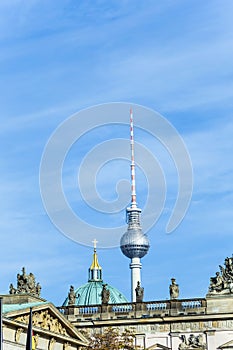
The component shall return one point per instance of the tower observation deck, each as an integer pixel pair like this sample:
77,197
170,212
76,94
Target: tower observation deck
134,243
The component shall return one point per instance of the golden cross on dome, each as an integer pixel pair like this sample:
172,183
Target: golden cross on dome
95,243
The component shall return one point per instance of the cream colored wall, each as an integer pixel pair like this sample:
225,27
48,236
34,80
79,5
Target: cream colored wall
215,332
9,342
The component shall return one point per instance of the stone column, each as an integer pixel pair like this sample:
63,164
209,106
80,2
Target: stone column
210,340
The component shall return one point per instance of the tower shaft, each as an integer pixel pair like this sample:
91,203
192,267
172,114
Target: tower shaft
135,267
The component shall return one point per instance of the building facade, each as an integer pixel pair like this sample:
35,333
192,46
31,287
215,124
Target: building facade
51,330
200,323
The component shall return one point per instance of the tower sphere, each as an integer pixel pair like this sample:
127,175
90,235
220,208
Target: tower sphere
134,243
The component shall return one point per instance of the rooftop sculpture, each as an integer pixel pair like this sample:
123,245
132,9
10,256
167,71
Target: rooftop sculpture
222,283
174,289
26,284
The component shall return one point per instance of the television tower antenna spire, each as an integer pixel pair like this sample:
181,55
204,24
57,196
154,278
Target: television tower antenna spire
132,166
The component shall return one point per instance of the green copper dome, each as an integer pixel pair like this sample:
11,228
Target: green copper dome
90,293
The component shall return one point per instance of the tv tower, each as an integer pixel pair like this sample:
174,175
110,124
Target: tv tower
134,243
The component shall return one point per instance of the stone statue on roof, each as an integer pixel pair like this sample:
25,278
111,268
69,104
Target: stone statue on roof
222,282
12,290
38,289
26,284
105,295
139,293
174,289
71,296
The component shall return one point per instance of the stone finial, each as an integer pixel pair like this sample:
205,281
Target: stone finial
174,289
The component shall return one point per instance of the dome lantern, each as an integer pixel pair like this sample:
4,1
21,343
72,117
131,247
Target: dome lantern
95,270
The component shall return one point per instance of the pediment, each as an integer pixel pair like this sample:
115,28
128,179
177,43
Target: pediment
46,318
158,347
228,345
196,348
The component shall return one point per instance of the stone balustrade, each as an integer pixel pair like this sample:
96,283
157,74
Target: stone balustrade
136,310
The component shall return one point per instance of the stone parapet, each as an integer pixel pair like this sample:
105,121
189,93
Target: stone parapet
136,310
20,299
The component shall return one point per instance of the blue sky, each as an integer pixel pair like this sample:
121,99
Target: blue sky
57,58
